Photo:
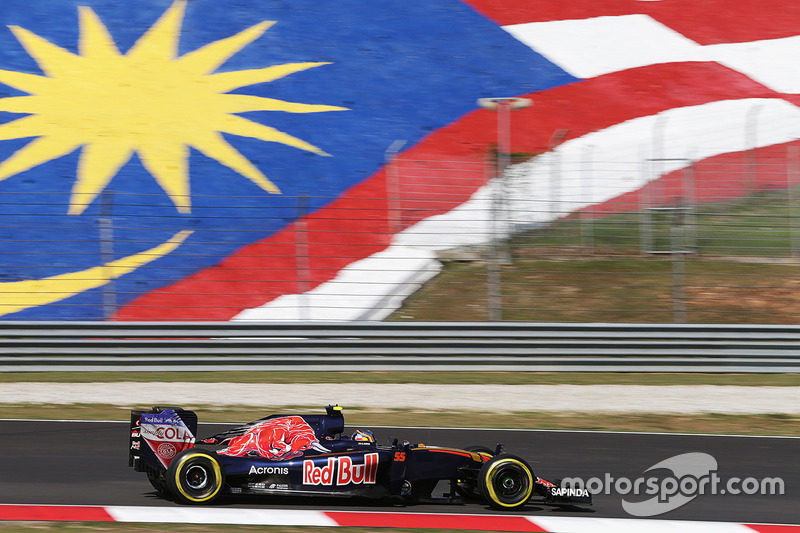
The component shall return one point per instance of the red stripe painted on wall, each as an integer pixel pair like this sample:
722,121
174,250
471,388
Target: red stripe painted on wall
356,225
705,22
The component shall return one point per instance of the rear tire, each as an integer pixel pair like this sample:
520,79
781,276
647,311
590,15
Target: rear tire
506,482
195,476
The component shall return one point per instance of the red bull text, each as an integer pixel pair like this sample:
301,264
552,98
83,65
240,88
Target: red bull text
341,471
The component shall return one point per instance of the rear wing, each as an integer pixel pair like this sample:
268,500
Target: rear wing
158,435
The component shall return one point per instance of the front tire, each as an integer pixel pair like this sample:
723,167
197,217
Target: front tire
506,482
195,476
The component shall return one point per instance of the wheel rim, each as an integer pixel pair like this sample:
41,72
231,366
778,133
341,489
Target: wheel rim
510,482
196,477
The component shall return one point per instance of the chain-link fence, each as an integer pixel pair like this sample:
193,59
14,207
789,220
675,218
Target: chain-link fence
711,241
553,239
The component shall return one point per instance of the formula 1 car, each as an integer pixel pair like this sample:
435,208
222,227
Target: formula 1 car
309,455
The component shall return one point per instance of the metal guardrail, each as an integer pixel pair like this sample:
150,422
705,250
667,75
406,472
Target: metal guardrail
392,346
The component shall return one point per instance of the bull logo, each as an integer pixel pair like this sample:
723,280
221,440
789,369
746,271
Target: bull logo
276,439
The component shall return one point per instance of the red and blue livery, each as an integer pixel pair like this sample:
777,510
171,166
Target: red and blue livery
310,455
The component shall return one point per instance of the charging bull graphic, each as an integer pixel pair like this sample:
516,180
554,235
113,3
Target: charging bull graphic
276,439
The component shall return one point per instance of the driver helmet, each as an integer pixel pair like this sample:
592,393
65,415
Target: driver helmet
363,435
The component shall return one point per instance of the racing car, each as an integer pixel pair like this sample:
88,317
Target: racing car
311,455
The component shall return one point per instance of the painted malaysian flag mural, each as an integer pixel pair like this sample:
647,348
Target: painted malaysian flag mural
160,147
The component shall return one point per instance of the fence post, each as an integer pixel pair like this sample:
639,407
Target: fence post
302,264
587,217
503,106
751,144
690,200
645,222
498,248
678,268
555,174
494,301
393,187
792,174
106,223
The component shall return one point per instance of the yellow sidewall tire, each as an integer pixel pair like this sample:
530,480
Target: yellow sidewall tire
510,472
195,476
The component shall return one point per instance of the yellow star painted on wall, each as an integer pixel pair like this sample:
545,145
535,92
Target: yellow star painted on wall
148,101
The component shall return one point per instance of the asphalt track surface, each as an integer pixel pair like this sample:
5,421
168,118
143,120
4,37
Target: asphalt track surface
85,463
